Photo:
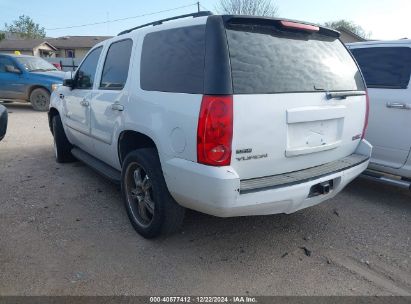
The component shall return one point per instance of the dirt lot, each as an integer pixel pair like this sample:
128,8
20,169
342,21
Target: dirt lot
63,230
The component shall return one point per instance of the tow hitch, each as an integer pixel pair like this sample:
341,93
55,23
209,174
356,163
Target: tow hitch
321,188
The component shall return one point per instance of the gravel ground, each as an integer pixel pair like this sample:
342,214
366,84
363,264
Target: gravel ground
64,231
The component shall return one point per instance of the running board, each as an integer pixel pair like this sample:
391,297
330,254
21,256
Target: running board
101,168
381,178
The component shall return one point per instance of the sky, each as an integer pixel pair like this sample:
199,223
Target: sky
385,19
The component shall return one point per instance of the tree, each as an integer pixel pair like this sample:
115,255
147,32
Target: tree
2,36
26,28
248,7
349,25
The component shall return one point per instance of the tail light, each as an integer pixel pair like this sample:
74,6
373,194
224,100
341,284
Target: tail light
215,131
367,113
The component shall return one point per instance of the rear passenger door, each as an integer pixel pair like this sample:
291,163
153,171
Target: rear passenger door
386,70
110,100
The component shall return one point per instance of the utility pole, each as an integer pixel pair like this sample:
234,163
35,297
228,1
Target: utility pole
198,6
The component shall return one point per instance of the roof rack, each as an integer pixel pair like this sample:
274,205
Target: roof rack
194,15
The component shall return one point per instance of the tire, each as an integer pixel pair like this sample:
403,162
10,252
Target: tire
62,147
150,206
40,99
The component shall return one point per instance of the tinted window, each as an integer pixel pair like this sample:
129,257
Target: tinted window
385,67
87,71
267,60
173,60
4,61
115,69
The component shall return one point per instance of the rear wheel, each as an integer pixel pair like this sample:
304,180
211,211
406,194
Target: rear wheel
150,207
40,99
62,147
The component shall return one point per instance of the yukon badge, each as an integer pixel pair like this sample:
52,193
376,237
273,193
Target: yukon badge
249,157
252,157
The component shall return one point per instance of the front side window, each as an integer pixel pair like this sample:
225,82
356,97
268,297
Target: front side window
385,67
87,71
4,62
173,60
116,66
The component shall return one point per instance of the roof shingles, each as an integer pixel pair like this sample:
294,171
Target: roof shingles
74,42
23,45
77,41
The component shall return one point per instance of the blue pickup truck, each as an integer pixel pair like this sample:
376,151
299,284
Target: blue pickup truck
28,78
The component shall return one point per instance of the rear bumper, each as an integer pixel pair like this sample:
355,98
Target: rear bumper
217,191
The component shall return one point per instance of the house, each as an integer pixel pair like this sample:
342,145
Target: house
75,46
348,37
63,47
33,47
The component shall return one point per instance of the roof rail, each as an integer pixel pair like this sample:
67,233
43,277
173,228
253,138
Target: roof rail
194,15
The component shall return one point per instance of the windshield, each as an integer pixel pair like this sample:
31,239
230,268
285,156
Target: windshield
35,64
267,60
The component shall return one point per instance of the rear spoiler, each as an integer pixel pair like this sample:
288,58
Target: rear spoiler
281,23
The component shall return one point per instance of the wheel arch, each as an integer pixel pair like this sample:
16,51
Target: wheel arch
36,86
130,140
52,112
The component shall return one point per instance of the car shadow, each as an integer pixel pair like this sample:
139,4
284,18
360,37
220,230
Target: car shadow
380,194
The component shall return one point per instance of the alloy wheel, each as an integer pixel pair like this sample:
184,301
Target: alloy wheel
139,194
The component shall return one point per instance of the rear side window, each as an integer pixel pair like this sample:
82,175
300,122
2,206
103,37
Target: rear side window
267,60
116,66
385,67
173,60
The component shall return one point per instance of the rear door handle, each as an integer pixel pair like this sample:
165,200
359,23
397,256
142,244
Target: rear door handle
117,107
84,103
398,105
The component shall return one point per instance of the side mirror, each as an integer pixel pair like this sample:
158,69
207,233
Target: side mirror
12,69
3,121
68,83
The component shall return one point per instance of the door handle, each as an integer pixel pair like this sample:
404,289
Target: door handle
117,107
398,105
84,103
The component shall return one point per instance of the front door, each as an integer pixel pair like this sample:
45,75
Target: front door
11,83
387,73
76,100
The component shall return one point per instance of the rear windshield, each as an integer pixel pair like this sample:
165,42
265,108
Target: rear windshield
267,60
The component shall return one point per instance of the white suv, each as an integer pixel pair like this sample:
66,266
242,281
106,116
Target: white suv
386,66
227,115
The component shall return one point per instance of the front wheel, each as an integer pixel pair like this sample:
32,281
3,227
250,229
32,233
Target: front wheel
150,207
62,147
40,99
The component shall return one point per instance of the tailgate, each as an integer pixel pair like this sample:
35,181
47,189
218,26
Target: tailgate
282,133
